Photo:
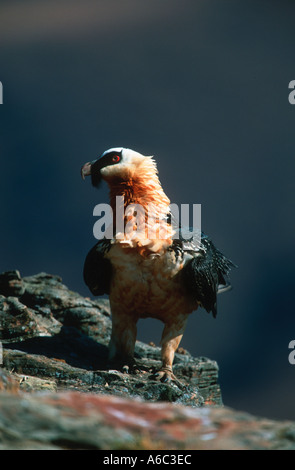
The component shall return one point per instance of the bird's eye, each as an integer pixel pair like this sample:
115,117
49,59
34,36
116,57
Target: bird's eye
116,158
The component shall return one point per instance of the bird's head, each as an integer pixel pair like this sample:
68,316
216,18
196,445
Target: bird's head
118,164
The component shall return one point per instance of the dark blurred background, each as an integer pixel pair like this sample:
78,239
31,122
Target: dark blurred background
201,85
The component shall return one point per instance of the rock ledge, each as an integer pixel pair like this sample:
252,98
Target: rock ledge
54,341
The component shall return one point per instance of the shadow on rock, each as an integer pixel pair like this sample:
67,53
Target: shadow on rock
70,346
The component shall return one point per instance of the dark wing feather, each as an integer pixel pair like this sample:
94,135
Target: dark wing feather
97,269
205,272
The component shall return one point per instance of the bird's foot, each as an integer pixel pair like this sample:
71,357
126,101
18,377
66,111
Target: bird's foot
127,366
131,368
166,375
136,367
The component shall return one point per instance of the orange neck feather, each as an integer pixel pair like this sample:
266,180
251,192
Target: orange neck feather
144,189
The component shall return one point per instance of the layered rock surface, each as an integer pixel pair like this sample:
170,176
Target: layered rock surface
55,341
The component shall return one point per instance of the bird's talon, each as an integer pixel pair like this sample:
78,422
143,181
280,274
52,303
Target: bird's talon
133,369
165,375
125,369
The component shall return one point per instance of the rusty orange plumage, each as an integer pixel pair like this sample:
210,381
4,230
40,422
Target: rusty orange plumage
148,273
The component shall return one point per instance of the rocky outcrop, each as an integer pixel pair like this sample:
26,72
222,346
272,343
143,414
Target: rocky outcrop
61,338
55,341
75,420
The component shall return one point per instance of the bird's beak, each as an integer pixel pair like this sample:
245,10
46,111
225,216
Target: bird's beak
92,169
86,170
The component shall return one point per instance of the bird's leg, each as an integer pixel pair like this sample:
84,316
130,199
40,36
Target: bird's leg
122,342
171,338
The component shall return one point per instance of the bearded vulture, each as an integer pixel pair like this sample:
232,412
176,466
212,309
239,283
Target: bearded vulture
148,272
